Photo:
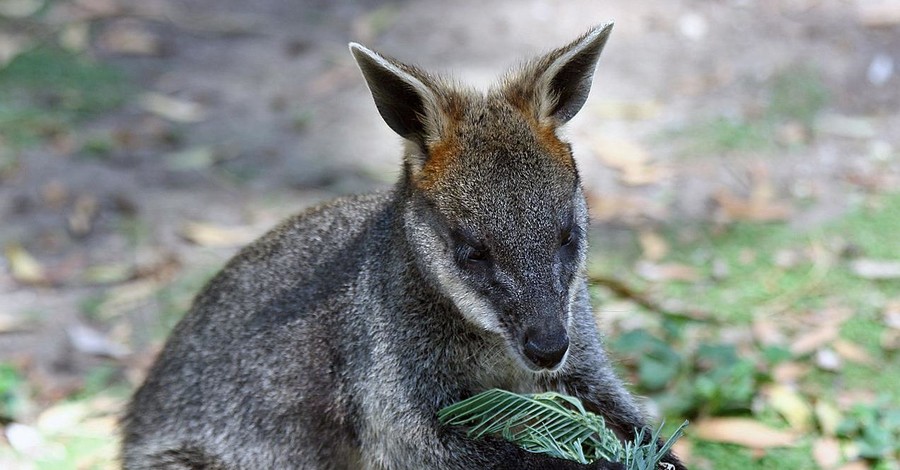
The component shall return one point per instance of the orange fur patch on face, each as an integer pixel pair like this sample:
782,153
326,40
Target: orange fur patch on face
544,131
546,137
441,156
443,152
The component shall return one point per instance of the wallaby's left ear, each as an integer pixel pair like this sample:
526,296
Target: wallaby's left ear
404,97
559,83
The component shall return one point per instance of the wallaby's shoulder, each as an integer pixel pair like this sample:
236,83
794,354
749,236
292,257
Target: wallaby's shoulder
320,246
324,228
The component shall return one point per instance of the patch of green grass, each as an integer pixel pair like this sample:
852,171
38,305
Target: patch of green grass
12,395
753,279
722,134
796,94
690,377
755,282
98,147
731,457
135,229
46,89
102,378
90,306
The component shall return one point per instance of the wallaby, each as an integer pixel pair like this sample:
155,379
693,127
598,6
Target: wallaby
333,341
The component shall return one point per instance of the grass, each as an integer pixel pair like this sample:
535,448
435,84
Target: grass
46,90
665,364
795,95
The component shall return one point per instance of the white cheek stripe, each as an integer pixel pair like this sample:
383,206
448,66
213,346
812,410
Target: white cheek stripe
472,305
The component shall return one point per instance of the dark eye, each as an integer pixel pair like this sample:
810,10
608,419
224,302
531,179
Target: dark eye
469,250
565,238
476,255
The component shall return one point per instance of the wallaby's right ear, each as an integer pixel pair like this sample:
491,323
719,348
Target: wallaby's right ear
401,94
557,85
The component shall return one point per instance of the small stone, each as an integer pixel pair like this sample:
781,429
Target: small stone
693,26
827,359
880,70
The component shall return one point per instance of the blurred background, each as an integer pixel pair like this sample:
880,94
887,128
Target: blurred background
742,160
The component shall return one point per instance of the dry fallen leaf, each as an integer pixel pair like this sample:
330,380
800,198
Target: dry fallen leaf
892,314
644,175
752,209
813,340
11,323
832,315
107,273
826,452
629,209
828,417
792,133
207,234
792,406
82,217
62,416
789,372
852,352
23,267
656,272
876,269
172,109
126,297
742,431
130,38
653,246
631,160
684,449
759,206
767,332
54,194
627,110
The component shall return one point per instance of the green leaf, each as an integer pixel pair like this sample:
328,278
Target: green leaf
552,424
654,373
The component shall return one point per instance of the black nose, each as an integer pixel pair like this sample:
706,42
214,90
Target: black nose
545,350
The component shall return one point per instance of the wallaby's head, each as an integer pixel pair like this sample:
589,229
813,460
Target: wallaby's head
493,203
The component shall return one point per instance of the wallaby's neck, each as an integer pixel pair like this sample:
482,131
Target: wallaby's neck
405,256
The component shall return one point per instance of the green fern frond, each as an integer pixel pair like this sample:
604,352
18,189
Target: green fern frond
553,424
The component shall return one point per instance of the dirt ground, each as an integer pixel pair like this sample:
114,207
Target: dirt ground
272,116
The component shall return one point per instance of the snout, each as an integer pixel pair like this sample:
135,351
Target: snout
545,348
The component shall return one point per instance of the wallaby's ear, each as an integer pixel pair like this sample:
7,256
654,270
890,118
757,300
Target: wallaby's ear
403,98
559,83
